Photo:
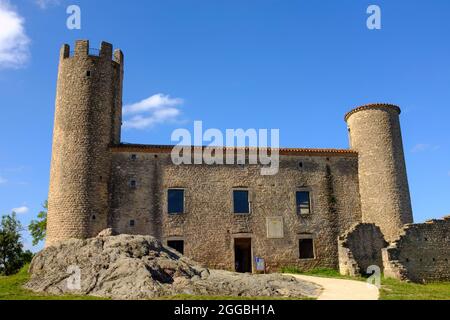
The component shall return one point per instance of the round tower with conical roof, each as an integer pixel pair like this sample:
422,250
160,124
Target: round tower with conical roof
375,133
87,122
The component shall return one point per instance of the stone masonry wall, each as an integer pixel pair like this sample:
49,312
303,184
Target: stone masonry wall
359,248
208,227
421,253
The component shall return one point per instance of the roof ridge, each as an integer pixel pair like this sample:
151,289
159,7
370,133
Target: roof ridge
149,147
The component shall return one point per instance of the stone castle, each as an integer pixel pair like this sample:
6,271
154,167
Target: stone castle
346,209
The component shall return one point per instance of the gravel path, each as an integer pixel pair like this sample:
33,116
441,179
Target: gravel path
339,289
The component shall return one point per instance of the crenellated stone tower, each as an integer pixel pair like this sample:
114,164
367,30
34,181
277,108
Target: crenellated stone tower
375,134
88,119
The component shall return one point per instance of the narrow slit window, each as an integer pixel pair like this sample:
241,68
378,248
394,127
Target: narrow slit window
175,201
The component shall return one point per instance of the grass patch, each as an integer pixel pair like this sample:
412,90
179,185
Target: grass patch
320,272
392,289
11,288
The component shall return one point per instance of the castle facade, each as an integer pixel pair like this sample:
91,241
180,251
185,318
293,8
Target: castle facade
224,216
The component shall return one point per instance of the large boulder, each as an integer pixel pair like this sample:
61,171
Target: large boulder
140,267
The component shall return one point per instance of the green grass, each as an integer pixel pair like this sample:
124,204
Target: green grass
391,289
320,272
11,288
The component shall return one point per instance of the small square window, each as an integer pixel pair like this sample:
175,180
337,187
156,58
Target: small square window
241,204
133,184
306,248
132,223
303,202
133,157
175,201
88,73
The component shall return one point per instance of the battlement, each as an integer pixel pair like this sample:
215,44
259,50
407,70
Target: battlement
82,49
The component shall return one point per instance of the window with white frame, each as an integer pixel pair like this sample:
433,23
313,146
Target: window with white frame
303,202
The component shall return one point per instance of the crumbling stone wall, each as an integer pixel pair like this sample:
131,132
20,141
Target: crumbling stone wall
359,248
209,226
421,253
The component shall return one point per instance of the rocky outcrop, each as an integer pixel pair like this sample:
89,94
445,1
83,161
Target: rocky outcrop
140,267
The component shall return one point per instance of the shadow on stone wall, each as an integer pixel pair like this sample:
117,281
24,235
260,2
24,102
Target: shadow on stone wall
359,248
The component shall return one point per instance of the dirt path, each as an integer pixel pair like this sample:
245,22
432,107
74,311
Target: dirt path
340,289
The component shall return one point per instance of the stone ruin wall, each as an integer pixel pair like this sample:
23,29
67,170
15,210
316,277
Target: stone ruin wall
421,253
360,248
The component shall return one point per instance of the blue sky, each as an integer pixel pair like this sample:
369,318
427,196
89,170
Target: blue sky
293,65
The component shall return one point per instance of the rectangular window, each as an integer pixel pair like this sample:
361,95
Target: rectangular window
306,248
303,202
241,203
175,201
177,245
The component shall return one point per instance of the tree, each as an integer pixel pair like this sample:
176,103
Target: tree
11,249
38,227
27,256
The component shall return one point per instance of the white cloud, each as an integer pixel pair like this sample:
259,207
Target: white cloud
154,102
422,147
44,4
3,180
156,109
21,210
14,42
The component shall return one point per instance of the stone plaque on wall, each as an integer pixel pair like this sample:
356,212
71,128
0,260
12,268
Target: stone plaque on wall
275,228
